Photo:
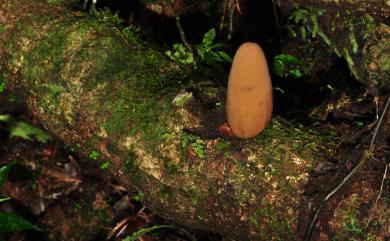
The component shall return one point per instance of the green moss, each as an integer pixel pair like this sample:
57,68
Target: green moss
170,167
166,192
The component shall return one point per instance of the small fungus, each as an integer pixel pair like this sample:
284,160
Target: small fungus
249,93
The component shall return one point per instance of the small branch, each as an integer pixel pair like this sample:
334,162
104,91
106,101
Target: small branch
381,188
276,16
223,17
183,35
231,18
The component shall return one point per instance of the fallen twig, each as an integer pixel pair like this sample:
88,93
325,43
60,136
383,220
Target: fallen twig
367,154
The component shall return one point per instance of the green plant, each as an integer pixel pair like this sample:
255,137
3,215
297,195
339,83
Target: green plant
138,197
139,233
286,65
94,155
352,226
195,142
209,51
306,21
3,84
11,222
107,16
24,130
181,55
298,17
104,165
223,145
198,147
132,33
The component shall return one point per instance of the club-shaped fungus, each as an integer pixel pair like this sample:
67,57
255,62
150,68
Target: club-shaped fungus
249,93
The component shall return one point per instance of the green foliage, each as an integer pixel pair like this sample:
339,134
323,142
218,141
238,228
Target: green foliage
223,145
107,16
139,233
132,33
182,98
298,17
187,138
286,65
352,226
24,130
209,52
11,222
3,84
196,143
198,147
181,55
138,197
4,171
94,155
104,165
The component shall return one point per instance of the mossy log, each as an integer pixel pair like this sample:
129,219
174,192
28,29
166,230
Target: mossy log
358,31
97,91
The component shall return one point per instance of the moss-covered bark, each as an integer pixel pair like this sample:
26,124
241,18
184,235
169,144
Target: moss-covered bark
99,92
356,30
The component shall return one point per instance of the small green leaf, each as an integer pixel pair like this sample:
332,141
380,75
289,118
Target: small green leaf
26,131
4,199
288,59
4,171
5,118
278,67
296,73
13,223
209,37
138,197
94,155
143,231
104,165
225,56
3,84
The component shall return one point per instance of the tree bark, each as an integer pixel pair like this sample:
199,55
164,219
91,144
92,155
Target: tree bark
356,30
155,125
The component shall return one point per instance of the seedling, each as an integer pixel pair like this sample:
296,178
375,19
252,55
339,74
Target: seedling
94,155
105,165
196,143
138,197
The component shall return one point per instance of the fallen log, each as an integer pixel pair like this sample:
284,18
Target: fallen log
156,126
